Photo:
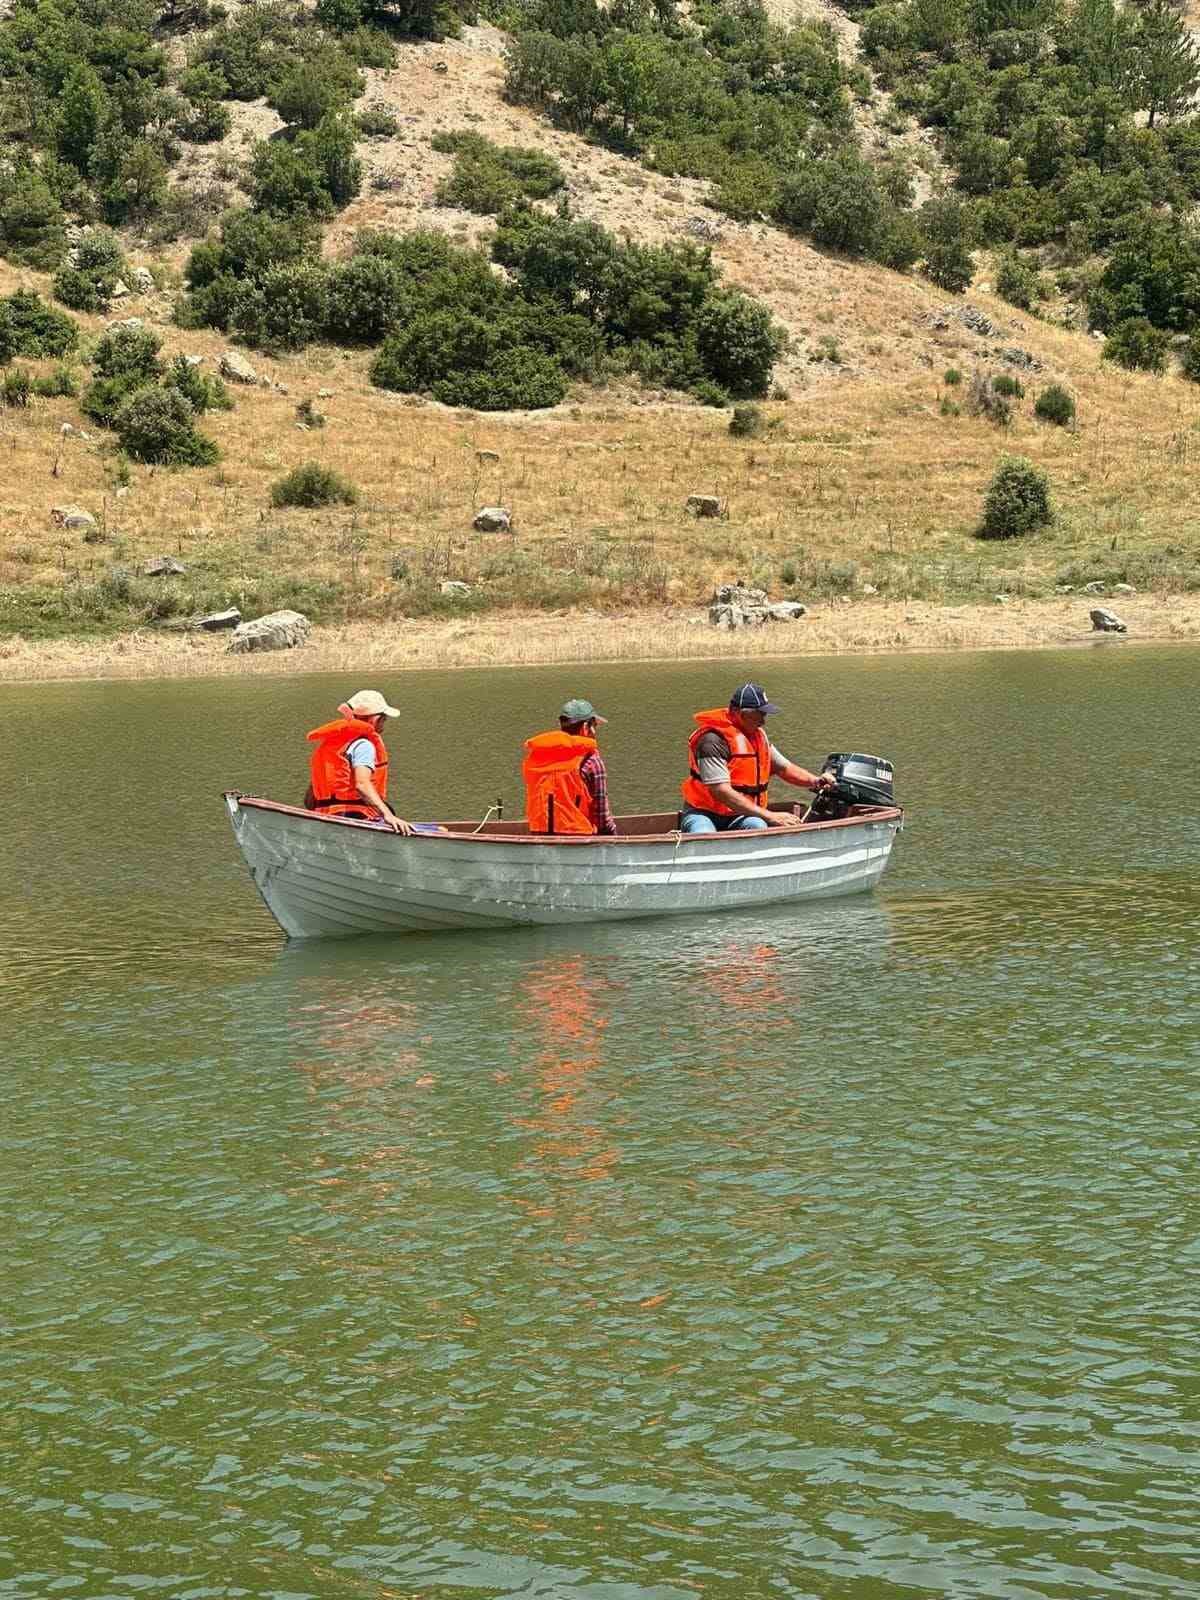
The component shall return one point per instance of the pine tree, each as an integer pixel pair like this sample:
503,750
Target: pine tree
81,116
1168,61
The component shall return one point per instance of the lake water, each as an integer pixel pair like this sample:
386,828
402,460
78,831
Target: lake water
845,1252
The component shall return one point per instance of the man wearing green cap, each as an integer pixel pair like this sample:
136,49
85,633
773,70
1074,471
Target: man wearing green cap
566,785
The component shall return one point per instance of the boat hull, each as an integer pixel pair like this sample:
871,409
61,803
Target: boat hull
324,877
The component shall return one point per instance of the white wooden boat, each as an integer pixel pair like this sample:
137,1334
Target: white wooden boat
328,877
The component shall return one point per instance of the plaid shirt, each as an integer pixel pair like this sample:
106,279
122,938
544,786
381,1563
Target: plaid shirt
591,770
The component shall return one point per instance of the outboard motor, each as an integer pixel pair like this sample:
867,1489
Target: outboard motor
860,781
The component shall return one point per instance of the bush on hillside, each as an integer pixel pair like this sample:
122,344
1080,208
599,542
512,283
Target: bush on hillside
36,328
836,202
87,283
738,342
1055,404
157,425
32,227
16,387
747,422
312,486
1016,281
286,309
1189,361
1009,387
201,391
1137,345
364,300
377,122
1017,500
59,384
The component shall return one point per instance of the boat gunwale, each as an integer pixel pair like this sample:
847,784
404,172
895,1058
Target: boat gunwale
671,836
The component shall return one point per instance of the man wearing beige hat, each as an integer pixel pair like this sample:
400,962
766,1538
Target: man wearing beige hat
349,766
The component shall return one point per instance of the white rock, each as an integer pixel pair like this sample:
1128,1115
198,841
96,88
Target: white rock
143,280
278,630
454,587
72,517
237,369
493,519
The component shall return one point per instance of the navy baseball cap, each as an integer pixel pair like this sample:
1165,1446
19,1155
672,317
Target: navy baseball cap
751,697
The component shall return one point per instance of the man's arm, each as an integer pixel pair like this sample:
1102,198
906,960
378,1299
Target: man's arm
595,775
364,782
781,767
713,766
745,807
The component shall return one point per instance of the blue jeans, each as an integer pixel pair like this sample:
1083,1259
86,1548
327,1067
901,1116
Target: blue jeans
699,822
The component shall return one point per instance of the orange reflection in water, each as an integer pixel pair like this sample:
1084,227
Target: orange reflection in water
560,1002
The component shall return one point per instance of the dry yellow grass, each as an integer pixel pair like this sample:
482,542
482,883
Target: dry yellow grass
855,628
869,473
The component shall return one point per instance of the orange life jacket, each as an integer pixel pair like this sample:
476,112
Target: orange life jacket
556,798
332,787
749,763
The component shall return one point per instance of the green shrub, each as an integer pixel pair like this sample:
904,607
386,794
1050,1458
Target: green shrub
307,89
711,394
377,122
1017,500
32,229
87,282
364,298
836,202
747,422
478,184
952,377
17,387
1137,345
57,384
1189,361
738,342
1055,404
1009,387
950,266
38,329
158,425
312,486
487,178
128,352
286,309
202,393
1016,281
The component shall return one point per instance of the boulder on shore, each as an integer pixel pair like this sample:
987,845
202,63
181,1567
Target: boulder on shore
278,630
1106,621
216,620
736,605
163,567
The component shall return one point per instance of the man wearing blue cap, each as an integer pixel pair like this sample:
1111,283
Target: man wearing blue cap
730,766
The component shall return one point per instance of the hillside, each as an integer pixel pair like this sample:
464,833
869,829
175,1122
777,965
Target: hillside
864,491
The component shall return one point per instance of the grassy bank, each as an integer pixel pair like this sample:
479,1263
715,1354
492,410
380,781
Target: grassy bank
365,650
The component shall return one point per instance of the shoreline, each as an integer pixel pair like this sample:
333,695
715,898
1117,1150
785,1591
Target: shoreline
860,627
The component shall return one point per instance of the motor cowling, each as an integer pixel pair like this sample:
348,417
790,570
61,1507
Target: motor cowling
859,780
862,780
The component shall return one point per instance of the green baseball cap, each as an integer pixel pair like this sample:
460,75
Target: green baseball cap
580,711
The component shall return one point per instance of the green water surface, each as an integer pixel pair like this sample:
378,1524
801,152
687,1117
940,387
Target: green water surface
839,1252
